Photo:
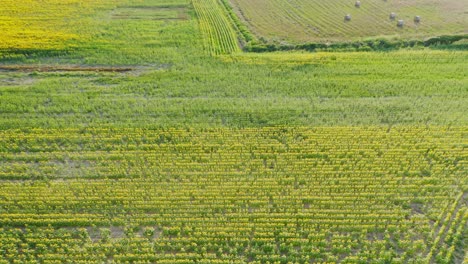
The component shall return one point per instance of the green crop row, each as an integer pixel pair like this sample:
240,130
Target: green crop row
216,27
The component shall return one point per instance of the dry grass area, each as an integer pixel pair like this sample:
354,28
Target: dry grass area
324,21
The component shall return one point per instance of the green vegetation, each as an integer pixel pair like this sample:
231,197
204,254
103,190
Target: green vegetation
323,89
450,42
150,137
216,26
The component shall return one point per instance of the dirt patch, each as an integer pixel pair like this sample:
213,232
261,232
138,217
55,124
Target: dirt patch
72,168
62,68
375,236
117,232
105,233
417,208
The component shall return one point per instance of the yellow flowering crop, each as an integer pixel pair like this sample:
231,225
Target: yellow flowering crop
46,24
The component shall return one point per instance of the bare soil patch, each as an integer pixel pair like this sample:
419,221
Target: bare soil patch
61,68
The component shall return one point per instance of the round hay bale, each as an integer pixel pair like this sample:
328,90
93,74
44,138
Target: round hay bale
400,23
392,16
347,17
357,4
417,19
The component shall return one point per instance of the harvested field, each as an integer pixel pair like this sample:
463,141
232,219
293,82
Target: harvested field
299,21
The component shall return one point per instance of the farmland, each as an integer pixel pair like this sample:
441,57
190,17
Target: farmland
144,134
323,21
272,194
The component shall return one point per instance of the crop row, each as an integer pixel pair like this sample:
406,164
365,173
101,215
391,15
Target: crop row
235,195
216,27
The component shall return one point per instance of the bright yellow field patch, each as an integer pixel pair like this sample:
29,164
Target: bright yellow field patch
321,188
47,24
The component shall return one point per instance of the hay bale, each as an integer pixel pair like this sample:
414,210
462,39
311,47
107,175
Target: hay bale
417,19
347,17
357,4
400,23
392,16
